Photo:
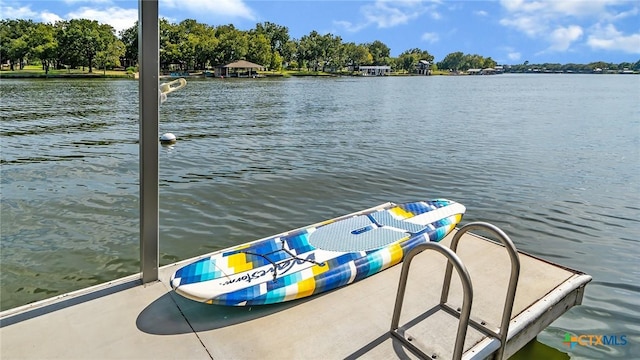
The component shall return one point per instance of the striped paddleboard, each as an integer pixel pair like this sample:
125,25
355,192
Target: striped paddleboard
316,258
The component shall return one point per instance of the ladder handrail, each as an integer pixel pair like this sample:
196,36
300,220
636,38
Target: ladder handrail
513,279
453,260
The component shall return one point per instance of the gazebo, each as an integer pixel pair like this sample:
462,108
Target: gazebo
240,68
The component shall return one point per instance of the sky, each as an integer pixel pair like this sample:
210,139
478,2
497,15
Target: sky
508,31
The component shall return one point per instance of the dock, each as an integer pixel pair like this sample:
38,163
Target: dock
124,319
140,317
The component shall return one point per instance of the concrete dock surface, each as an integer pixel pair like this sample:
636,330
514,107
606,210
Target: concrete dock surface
126,320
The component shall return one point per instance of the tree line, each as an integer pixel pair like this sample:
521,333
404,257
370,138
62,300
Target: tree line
74,43
577,68
190,45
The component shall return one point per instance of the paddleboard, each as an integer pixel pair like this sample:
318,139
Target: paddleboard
316,258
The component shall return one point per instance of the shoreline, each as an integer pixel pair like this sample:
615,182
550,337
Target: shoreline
31,75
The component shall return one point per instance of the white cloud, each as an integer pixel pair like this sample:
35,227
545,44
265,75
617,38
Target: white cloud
347,25
481,13
609,38
529,25
624,14
49,17
538,17
117,17
562,37
389,13
23,12
561,23
430,37
562,8
512,54
232,8
114,13
74,2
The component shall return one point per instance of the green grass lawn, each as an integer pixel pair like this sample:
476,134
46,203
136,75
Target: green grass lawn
37,71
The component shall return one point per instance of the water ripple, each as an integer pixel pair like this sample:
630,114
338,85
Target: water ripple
255,158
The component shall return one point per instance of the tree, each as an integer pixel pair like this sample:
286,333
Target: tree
81,39
356,55
14,41
129,37
233,45
43,44
276,35
195,43
289,52
320,51
597,65
276,62
409,59
170,52
5,38
109,40
332,54
18,50
453,61
110,57
379,51
490,63
259,49
206,45
187,48
309,50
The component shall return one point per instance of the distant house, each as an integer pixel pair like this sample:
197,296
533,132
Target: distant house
375,70
423,67
240,68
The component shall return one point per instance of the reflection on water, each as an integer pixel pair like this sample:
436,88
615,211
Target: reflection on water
538,350
555,167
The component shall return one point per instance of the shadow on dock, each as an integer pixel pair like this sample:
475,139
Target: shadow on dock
66,300
159,319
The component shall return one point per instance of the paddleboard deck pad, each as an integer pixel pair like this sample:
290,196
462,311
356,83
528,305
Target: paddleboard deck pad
317,258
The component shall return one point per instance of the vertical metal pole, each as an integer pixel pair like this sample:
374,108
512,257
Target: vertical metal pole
148,60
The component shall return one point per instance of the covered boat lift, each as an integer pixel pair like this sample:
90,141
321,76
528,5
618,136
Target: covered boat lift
240,68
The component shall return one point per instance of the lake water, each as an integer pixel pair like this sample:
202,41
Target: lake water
554,160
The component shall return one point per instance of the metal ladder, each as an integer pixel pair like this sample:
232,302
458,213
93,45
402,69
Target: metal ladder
464,313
